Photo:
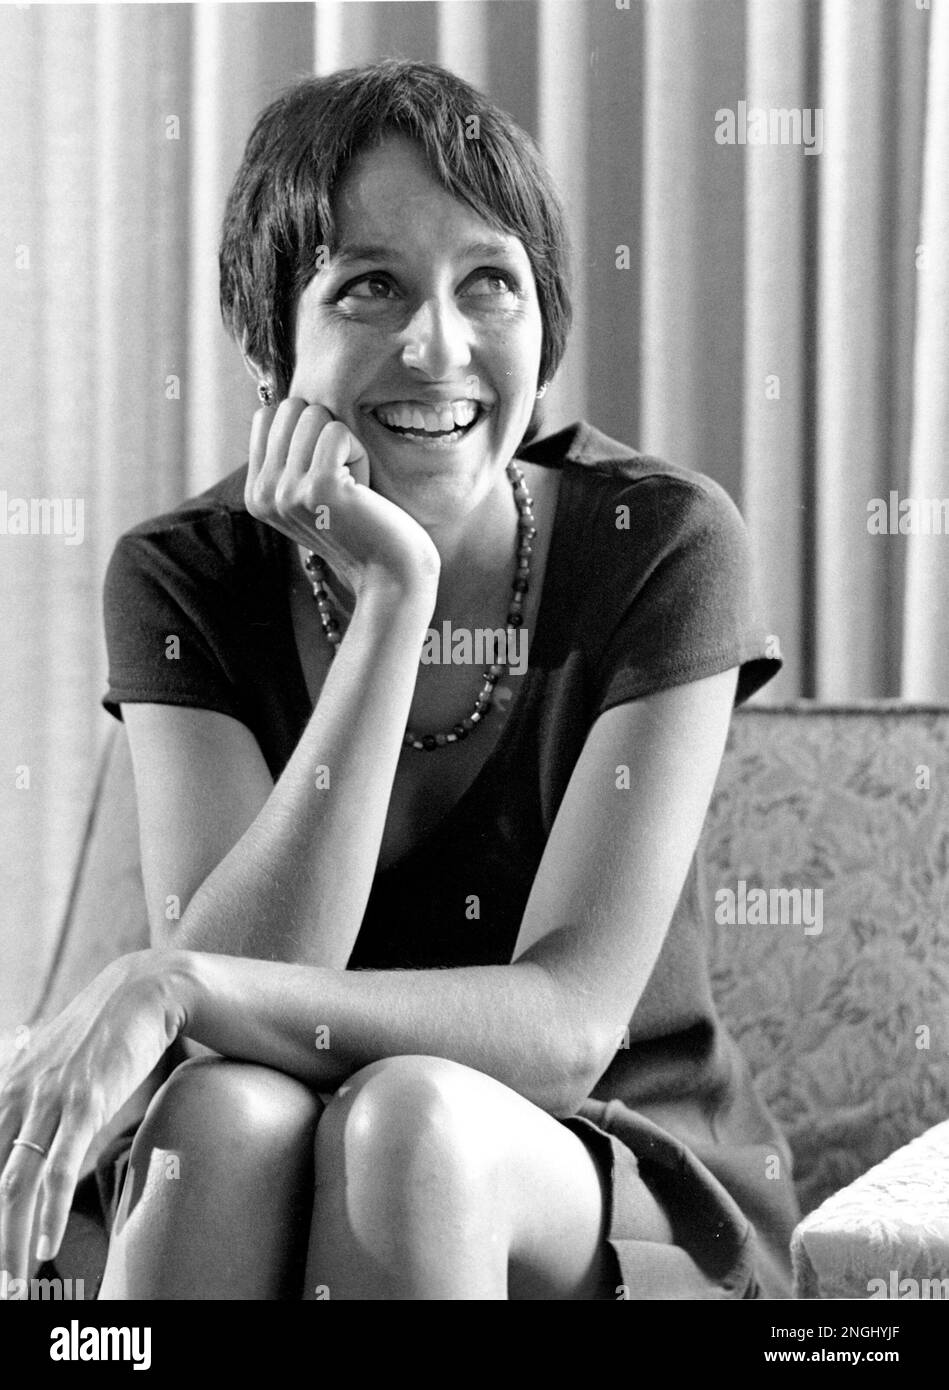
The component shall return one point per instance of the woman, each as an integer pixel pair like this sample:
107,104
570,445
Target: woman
438,923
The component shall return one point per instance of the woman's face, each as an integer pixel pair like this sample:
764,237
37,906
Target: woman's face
422,334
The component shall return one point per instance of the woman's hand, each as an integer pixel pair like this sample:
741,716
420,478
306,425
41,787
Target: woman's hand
65,1084
302,459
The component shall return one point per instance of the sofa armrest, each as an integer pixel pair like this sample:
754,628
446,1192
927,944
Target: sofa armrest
886,1235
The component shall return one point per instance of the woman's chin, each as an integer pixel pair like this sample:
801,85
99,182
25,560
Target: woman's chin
431,494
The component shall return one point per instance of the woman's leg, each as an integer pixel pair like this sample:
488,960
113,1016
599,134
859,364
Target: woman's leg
434,1181
219,1190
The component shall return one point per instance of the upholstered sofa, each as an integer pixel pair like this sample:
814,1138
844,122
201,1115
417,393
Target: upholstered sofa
846,1027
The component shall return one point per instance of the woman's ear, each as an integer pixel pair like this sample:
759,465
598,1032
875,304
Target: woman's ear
254,368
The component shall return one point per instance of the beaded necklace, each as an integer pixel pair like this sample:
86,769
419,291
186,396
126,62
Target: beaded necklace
526,532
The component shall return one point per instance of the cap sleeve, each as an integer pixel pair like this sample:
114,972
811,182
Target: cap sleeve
691,610
165,623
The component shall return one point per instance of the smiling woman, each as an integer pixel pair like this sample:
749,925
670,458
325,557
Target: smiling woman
445,942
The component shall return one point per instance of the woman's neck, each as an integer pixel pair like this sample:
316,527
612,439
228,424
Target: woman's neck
478,557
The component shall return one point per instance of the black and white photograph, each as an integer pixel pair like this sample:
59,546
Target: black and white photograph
474,714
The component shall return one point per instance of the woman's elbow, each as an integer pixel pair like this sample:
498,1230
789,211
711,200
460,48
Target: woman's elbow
581,1061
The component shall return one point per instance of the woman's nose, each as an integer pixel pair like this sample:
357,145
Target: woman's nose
436,340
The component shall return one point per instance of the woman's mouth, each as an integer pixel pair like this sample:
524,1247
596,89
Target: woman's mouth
419,423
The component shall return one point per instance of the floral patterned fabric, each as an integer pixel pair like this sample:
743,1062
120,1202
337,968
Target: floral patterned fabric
847,1028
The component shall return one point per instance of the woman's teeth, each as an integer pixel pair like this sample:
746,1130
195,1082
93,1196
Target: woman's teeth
446,421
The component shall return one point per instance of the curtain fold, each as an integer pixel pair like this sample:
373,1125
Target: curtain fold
926,650
778,314
565,138
691,331
777,319
853,357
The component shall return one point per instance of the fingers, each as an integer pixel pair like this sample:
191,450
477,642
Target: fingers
36,1191
259,432
310,426
19,1189
11,1124
282,431
341,449
59,1181
295,450
270,435
302,459
11,1183
20,1184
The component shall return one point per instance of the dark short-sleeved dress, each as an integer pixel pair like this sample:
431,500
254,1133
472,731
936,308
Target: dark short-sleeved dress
648,585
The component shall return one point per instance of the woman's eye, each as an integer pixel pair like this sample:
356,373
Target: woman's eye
491,282
369,287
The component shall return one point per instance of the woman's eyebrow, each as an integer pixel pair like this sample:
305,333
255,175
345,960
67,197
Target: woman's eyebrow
366,252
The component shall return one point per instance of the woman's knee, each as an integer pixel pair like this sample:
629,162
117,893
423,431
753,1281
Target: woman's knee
408,1115
220,1173
209,1099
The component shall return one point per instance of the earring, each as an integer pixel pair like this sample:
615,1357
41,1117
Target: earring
266,393
543,391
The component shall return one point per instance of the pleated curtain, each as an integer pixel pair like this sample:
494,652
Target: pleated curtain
774,318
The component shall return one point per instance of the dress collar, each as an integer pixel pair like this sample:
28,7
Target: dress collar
579,442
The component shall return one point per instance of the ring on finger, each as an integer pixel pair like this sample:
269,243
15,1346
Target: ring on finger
31,1144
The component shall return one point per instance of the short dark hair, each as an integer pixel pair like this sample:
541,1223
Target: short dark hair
280,207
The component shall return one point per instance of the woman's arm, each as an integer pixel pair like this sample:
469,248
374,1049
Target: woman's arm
548,1024
231,862
279,872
